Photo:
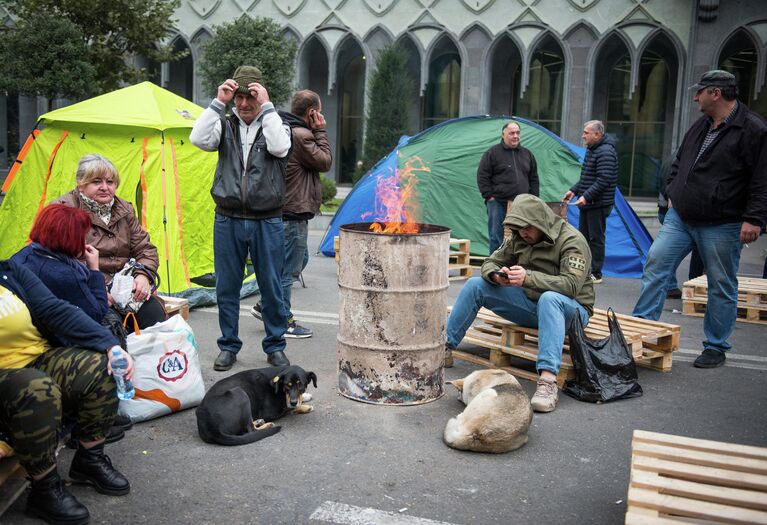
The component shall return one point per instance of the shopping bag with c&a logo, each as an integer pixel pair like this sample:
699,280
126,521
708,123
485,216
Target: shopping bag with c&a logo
167,375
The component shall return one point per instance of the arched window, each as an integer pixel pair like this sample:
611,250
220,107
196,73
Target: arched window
443,89
641,124
504,82
739,58
313,71
350,75
542,102
180,72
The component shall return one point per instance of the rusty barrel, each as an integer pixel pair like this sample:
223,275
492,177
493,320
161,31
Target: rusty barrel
392,313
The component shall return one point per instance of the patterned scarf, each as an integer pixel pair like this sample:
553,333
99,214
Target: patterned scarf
104,211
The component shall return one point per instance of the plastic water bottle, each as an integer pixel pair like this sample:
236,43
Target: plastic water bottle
119,369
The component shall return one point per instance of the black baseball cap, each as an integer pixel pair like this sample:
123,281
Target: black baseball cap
715,78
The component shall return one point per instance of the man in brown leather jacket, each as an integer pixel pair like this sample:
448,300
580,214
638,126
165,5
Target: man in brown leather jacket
310,155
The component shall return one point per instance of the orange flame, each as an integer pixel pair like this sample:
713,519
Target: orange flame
396,203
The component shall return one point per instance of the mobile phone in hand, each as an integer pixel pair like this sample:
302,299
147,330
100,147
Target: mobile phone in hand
501,275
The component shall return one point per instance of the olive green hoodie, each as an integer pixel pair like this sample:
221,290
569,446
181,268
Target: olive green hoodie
559,262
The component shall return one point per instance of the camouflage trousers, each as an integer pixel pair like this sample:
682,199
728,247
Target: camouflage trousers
69,383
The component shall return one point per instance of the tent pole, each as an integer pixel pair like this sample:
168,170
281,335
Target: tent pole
165,211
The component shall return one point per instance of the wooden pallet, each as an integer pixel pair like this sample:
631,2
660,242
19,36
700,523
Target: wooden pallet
652,343
677,479
752,298
13,482
176,305
460,259
337,248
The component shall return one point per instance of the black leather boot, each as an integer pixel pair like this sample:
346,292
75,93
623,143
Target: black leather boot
52,502
91,465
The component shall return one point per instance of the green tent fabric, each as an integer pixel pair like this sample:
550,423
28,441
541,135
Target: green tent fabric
458,204
144,131
446,158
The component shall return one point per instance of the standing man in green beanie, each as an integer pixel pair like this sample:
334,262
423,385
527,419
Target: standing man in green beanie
253,145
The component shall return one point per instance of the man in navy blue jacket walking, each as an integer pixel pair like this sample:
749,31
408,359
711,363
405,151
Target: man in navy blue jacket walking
596,188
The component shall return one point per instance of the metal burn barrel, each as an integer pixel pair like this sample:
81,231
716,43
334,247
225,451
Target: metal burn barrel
393,302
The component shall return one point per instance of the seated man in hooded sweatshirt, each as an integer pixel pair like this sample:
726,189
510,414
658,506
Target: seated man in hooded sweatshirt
538,278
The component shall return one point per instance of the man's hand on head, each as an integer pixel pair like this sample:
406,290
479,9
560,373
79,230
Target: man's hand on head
259,93
226,91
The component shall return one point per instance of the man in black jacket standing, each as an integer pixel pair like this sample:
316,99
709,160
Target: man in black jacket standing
505,171
717,197
596,188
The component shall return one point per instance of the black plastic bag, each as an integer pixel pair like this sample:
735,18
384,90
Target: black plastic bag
604,368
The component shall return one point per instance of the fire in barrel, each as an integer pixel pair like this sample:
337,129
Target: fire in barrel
393,283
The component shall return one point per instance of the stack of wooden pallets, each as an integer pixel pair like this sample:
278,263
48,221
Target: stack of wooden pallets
752,298
460,259
652,343
676,479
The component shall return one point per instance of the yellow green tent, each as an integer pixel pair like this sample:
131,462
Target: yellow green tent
144,131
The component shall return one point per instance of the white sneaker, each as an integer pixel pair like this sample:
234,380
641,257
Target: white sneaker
546,395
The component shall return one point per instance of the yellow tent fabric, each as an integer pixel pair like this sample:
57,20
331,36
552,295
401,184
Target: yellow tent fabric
143,130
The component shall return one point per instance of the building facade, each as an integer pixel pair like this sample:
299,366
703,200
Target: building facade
555,62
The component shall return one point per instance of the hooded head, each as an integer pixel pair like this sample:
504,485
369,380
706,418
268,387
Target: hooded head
530,211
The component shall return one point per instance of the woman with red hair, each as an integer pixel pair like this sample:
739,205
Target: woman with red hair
55,254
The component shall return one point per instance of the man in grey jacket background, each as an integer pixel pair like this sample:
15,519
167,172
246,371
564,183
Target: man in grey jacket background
253,145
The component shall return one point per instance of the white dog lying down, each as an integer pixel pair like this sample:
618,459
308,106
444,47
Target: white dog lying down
497,414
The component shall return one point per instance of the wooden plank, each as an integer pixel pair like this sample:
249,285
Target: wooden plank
720,476
636,516
747,451
12,482
9,467
674,505
176,305
10,492
751,499
697,457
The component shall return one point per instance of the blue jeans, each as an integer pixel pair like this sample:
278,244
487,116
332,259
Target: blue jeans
672,282
496,213
719,247
551,314
232,240
296,236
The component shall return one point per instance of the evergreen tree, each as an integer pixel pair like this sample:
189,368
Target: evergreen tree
253,42
45,55
387,116
112,30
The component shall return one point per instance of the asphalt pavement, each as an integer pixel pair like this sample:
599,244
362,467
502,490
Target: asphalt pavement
354,463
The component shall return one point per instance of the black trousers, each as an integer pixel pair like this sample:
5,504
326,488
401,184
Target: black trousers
592,224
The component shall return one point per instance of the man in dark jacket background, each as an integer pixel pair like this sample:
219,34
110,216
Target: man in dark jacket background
505,171
310,155
717,198
253,145
596,188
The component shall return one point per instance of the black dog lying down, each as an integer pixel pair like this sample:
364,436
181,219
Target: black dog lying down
240,409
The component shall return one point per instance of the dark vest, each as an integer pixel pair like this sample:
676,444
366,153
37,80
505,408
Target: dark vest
253,192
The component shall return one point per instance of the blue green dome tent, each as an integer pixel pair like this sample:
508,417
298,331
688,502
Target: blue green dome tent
448,195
